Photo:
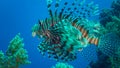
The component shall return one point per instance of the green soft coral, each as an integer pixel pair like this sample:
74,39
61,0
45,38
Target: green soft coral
62,65
15,44
2,58
16,55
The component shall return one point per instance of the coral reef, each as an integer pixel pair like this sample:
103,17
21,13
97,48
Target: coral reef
116,60
15,55
110,18
105,16
116,8
108,52
109,44
62,65
105,61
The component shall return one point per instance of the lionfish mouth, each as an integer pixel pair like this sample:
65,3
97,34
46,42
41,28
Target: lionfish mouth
64,26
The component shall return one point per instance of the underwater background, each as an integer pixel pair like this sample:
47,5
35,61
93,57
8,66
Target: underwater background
18,16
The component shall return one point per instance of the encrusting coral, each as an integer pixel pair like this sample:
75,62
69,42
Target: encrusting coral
15,55
62,65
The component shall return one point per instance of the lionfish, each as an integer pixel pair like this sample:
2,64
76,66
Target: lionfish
63,32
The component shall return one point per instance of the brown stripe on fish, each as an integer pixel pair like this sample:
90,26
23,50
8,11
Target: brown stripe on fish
89,40
93,40
81,29
85,34
96,41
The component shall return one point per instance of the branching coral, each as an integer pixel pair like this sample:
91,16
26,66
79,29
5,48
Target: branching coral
16,55
62,65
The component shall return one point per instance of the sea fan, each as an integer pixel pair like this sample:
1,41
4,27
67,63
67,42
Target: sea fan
63,32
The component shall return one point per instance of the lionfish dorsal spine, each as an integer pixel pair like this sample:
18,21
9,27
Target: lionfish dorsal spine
56,10
62,11
49,3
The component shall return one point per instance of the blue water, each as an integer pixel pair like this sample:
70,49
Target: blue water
19,16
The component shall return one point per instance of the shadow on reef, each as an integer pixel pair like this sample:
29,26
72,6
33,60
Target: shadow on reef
15,55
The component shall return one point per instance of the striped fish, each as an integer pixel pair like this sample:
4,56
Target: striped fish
58,43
